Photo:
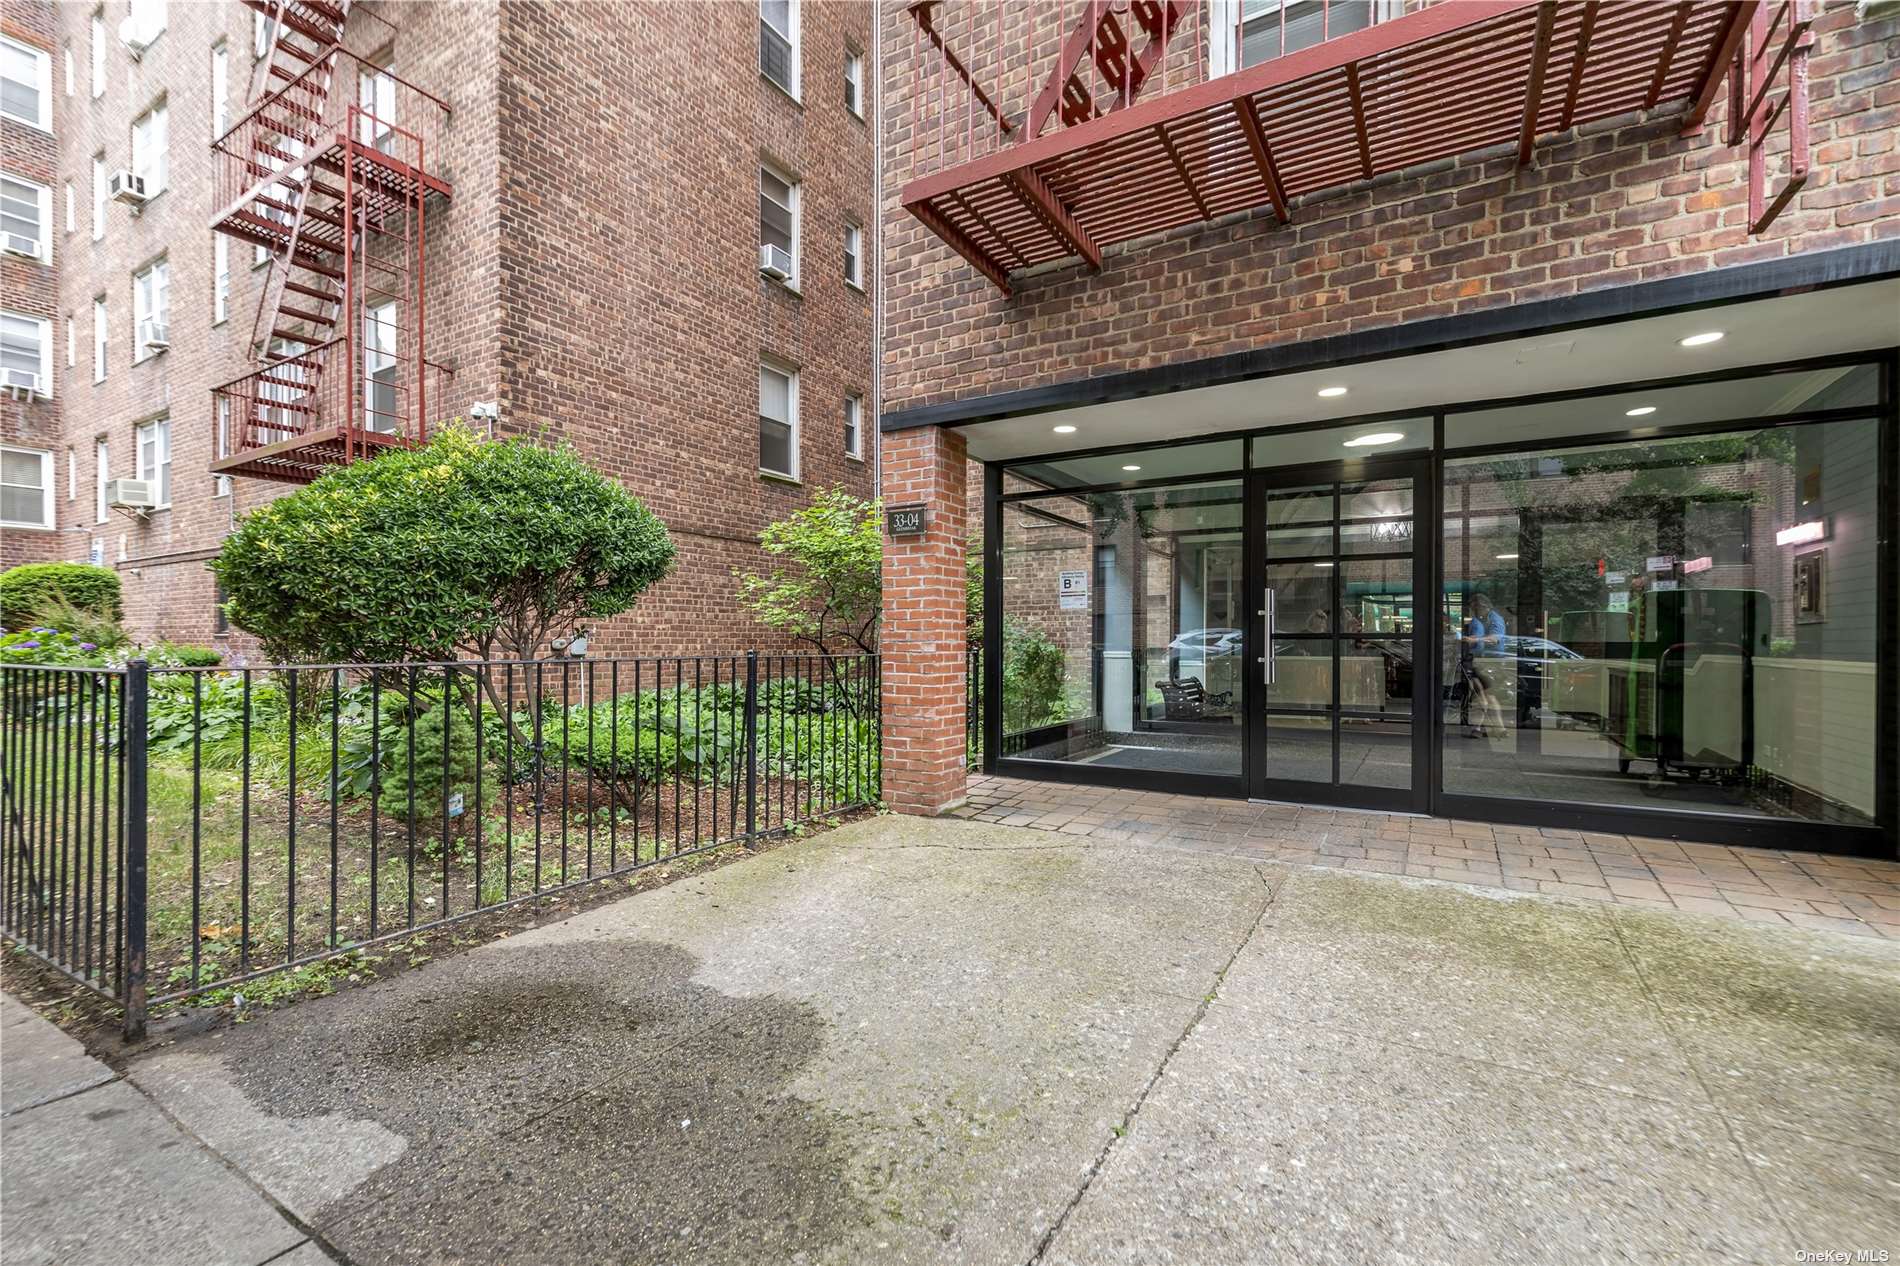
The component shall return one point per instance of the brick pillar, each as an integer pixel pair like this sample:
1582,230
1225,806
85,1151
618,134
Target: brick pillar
922,639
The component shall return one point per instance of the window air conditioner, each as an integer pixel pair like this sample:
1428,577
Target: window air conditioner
775,262
158,338
20,244
129,494
127,188
133,37
21,384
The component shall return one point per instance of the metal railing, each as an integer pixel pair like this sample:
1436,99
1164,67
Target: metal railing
172,831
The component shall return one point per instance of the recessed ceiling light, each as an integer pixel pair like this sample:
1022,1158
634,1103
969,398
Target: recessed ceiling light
1131,468
1063,430
1377,437
1322,564
1328,393
1640,411
1502,557
1703,339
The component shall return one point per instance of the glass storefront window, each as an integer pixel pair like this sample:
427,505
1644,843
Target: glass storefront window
1122,619
1341,443
1681,623
1177,461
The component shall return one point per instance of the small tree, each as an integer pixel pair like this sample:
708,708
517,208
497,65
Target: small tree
460,545
828,589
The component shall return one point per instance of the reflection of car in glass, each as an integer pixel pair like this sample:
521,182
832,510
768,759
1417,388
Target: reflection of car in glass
1207,642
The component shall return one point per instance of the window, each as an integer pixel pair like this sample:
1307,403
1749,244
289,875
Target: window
221,274
26,488
148,20
380,404
854,81
26,84
262,30
1270,28
98,50
72,474
149,143
778,43
101,475
854,427
376,94
778,421
221,484
99,339
854,255
151,310
100,189
72,349
220,90
155,460
26,354
72,220
778,224
72,75
26,219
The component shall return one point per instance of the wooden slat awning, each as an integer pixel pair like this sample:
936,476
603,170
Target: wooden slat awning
1446,80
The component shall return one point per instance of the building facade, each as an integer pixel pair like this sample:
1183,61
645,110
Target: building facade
535,229
1482,409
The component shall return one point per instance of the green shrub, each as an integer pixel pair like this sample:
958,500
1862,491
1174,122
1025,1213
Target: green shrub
36,593
183,656
1034,674
460,545
41,645
376,755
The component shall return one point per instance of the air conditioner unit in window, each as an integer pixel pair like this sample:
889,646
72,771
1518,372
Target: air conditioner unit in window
157,338
129,494
21,384
775,262
133,36
20,244
127,188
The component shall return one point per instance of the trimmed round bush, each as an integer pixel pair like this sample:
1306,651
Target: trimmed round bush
33,592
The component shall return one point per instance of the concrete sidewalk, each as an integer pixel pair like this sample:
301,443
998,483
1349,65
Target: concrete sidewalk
92,1171
908,1041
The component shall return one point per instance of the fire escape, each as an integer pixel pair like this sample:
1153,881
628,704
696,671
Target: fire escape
1123,125
330,175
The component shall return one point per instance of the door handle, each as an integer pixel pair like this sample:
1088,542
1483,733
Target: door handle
1266,660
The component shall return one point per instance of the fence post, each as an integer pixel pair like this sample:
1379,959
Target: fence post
751,743
135,823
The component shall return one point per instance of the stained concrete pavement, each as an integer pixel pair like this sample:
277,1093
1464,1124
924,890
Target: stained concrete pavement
909,1041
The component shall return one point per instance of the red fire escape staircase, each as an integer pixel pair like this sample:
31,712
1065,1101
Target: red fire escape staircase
329,173
1008,193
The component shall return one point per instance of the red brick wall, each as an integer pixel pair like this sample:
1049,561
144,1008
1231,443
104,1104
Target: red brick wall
30,288
1623,201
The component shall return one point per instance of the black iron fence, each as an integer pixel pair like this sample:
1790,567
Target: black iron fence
973,702
171,831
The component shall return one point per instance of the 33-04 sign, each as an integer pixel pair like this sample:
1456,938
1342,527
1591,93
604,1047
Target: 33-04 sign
904,521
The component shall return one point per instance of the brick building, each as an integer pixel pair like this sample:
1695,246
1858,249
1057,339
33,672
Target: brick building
599,182
1483,408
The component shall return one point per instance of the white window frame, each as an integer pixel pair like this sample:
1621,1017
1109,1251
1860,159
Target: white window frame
221,484
220,279
101,194
72,346
44,332
47,522
102,475
261,31
220,89
794,89
854,254
101,338
72,474
151,147
97,53
42,85
382,327
151,306
854,81
795,209
158,470
854,426
72,207
72,73
1223,54
42,203
376,97
769,366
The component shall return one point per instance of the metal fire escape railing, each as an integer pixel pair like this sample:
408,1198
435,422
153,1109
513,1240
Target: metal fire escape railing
330,174
1042,132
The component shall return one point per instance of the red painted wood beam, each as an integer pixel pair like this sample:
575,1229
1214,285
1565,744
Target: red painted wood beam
1668,57
1721,58
1359,119
1534,93
1048,208
961,243
1328,57
1262,156
1584,32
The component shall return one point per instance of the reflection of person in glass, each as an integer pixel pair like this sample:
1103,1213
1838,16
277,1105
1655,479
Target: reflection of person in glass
1481,638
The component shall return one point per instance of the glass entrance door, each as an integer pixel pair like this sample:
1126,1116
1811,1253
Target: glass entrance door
1337,637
